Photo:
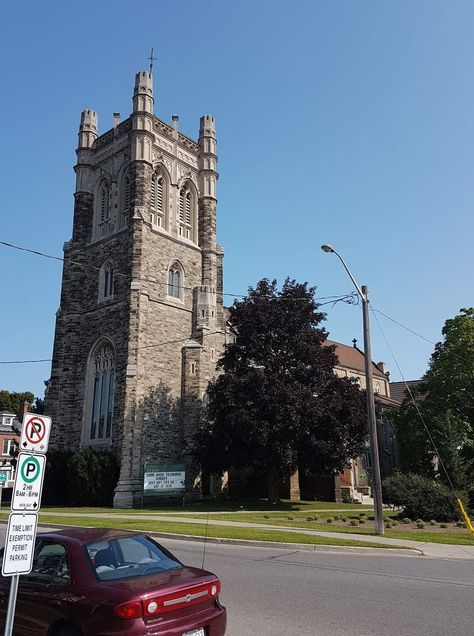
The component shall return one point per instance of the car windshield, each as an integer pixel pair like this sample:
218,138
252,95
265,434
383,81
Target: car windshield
128,557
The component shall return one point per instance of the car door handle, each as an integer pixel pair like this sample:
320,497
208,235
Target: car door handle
55,602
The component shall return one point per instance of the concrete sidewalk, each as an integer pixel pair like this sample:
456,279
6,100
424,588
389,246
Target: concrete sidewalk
437,550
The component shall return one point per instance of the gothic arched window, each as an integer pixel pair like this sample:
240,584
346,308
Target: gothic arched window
158,198
101,383
186,212
175,281
106,281
126,202
103,210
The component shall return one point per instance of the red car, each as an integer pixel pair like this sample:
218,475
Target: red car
97,582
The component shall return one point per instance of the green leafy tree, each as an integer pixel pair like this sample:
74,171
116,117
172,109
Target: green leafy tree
12,401
278,404
445,400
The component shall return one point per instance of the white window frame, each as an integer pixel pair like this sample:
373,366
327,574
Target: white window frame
10,444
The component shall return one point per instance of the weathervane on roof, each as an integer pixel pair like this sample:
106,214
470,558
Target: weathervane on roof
152,59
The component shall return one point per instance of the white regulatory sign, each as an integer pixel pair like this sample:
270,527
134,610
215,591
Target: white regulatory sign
20,544
28,482
35,433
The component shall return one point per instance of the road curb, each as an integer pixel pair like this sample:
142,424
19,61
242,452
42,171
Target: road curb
307,547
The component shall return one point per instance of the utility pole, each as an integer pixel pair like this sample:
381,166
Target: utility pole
369,390
373,438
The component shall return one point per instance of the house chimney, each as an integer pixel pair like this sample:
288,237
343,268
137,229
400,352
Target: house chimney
383,367
23,411
116,119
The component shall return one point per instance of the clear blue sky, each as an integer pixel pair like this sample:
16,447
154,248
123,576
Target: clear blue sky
342,122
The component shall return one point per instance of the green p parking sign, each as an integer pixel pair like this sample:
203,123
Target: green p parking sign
29,482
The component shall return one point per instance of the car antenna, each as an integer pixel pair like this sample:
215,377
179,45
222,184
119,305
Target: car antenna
205,540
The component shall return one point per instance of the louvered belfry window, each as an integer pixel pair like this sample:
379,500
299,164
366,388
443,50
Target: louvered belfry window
153,192
182,196
159,194
126,201
186,212
104,210
188,208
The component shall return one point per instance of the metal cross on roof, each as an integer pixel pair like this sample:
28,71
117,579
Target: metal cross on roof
152,59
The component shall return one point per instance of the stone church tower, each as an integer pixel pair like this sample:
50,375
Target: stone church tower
141,323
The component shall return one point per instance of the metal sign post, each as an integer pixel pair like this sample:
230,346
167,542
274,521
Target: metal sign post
11,605
27,490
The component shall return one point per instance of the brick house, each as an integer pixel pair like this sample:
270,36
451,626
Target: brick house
9,424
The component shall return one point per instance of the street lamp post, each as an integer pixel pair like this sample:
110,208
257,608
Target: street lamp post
374,447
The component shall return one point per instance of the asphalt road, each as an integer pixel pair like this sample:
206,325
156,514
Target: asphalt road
283,592
271,592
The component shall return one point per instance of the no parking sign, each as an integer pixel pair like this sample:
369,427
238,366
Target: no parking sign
35,433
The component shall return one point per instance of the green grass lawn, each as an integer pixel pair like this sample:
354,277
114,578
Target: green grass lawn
222,532
274,515
224,505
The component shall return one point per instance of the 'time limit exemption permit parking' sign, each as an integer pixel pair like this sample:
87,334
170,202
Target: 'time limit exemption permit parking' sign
20,544
29,482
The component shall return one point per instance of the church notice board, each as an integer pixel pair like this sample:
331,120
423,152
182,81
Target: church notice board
164,479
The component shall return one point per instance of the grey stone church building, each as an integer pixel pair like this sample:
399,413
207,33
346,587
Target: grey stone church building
141,322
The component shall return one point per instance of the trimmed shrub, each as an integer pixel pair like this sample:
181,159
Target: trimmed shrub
309,518
443,525
420,524
290,518
85,478
92,478
329,520
353,522
266,516
344,519
406,520
420,497
432,522
56,479
362,520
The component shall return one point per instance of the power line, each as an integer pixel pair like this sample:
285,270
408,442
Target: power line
151,280
25,361
404,326
407,387
453,353
347,298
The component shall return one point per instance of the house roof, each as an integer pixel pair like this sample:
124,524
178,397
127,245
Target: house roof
398,390
353,358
